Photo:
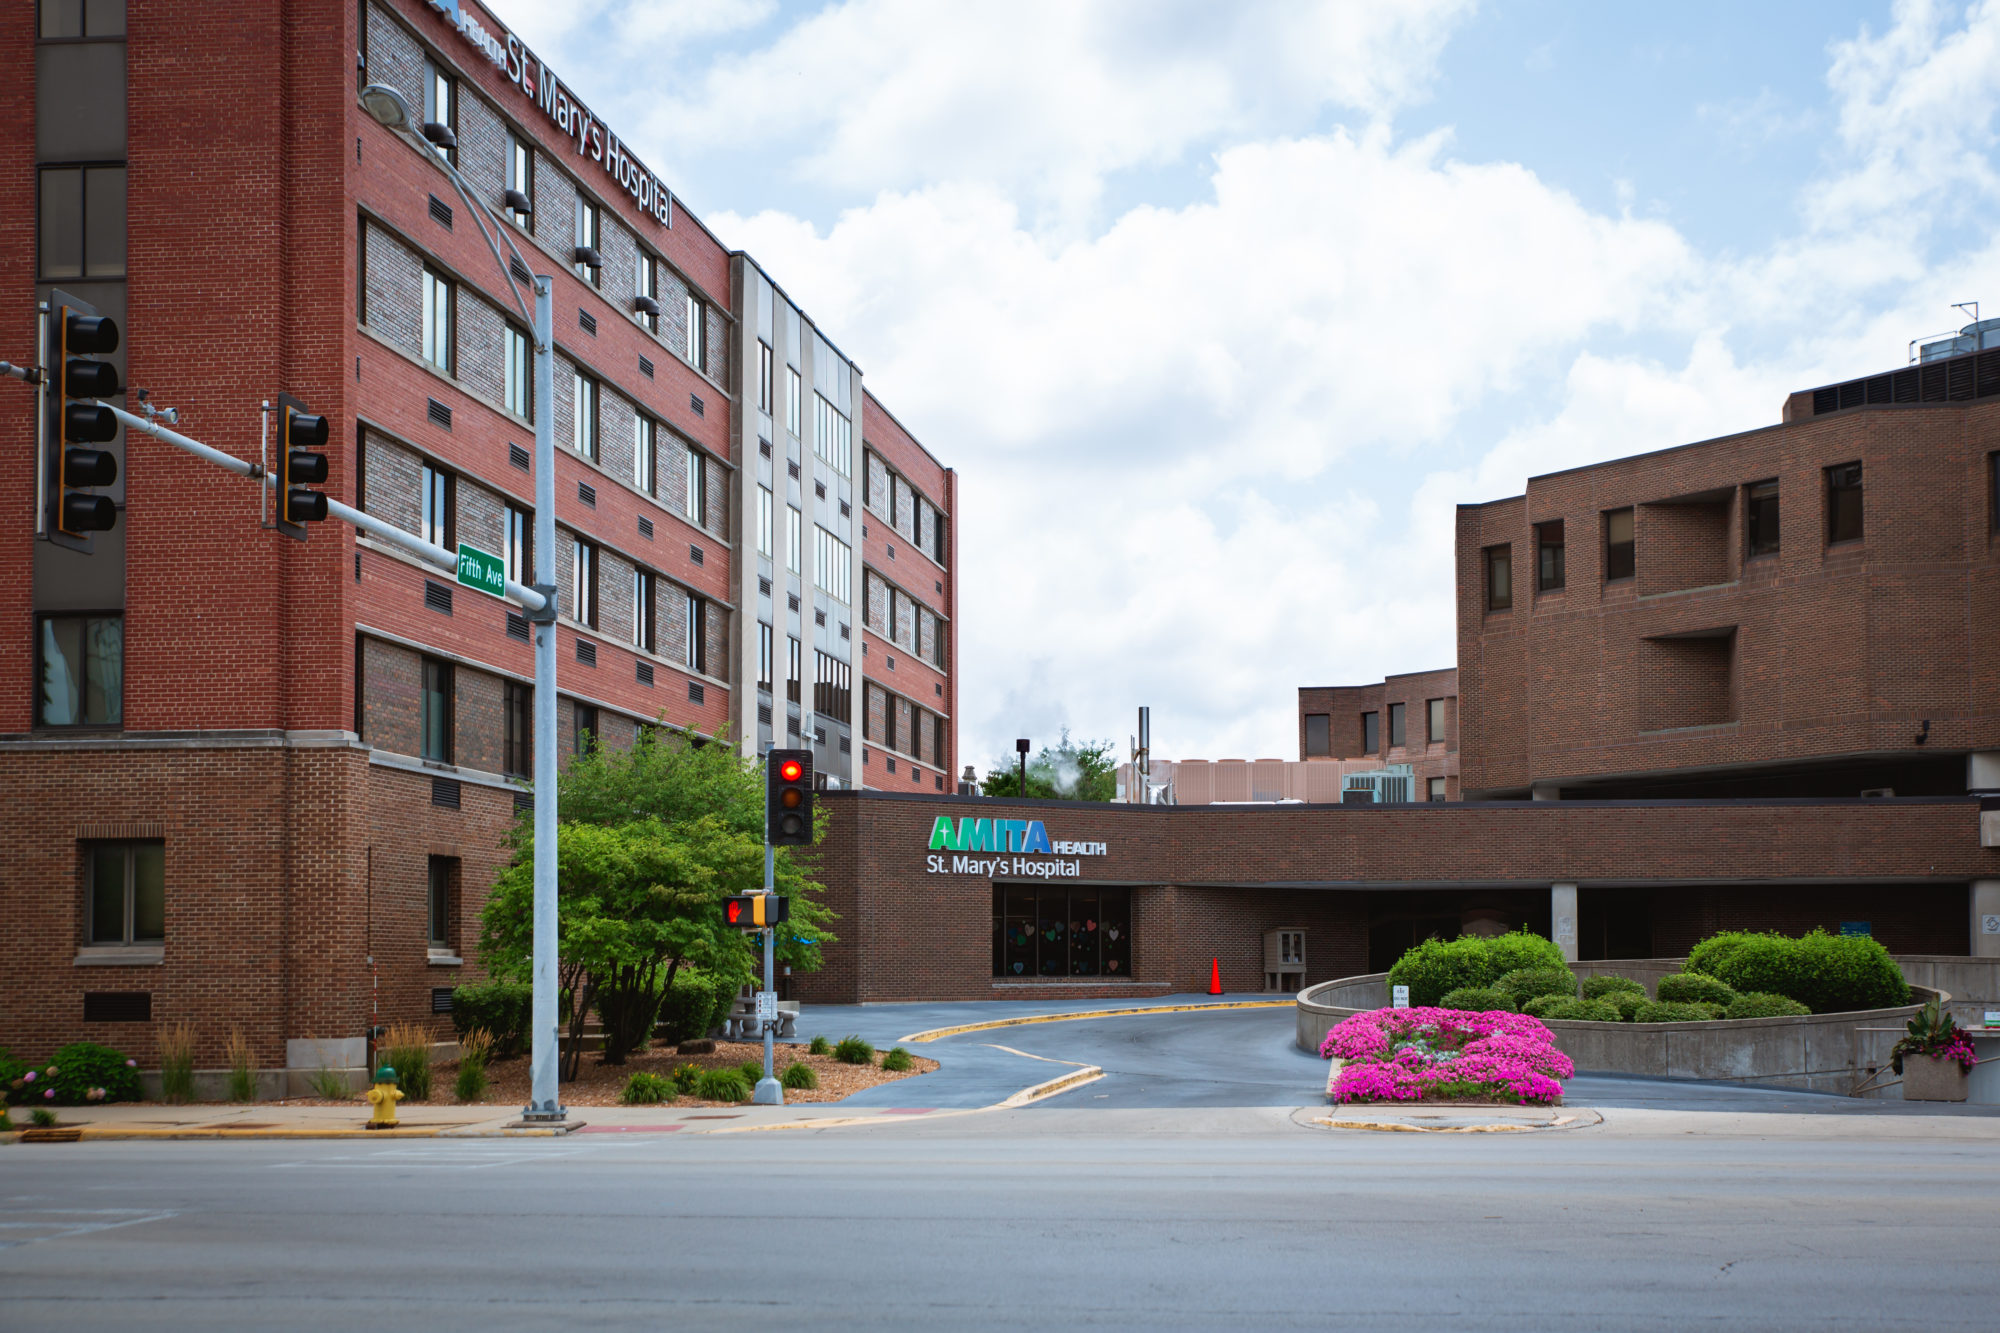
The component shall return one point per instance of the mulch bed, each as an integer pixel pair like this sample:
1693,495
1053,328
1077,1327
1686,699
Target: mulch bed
599,1084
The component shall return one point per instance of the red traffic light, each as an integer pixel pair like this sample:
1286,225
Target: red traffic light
791,770
733,911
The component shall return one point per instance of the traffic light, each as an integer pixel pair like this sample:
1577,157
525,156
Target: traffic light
756,909
788,798
76,334
301,434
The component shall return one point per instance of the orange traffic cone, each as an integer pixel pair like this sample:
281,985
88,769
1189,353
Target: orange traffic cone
1215,976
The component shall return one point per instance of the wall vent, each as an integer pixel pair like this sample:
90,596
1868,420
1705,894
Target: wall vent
445,793
646,674
440,999
846,509
437,596
440,415
645,367
587,322
586,652
695,406
441,212
118,1006
645,527
792,601
763,587
764,714
517,628
819,489
520,457
696,694
846,633
520,271
587,494
524,803
846,747
819,616
764,448
694,554
793,469
791,726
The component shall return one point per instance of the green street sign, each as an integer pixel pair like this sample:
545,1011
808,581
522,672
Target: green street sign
477,569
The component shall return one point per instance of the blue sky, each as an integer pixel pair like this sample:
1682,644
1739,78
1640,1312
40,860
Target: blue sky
1219,310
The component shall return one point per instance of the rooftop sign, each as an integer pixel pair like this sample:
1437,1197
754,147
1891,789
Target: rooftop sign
1029,837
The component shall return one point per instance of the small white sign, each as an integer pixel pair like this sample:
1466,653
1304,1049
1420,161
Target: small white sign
1565,927
1992,1018
1399,996
767,1006
1989,924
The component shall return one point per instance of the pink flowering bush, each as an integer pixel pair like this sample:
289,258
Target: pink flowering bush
1406,1055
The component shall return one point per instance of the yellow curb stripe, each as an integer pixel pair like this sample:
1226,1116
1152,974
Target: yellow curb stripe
934,1033
1061,1083
103,1133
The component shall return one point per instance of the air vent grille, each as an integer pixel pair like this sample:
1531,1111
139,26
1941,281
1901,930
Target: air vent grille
819,616
587,322
793,469
118,1006
645,527
645,367
440,999
440,415
764,714
696,694
792,601
819,489
846,746
695,406
520,457
437,596
1951,379
846,509
586,652
846,633
791,726
646,673
694,554
445,793
517,628
524,803
441,212
764,448
764,586
520,271
587,494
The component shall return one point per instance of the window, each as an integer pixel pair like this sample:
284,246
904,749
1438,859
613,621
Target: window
1049,932
521,176
442,872
440,105
436,710
937,538
833,436
583,425
764,377
1499,578
1396,726
517,717
1760,517
583,734
436,519
1549,556
792,404
518,373
82,18
1434,722
695,496
645,446
1618,556
792,669
642,610
794,539
82,222
1993,487
583,582
437,321
697,332
1319,735
647,284
833,565
1371,733
1437,789
127,889
518,544
82,672
763,656
697,634
833,682
587,231
764,520
1843,503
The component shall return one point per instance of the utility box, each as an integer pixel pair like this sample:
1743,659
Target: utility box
1285,959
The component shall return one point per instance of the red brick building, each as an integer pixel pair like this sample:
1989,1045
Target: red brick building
1408,719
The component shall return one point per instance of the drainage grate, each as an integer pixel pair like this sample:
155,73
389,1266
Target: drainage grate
118,1006
520,457
441,212
694,554
517,628
645,527
646,673
695,406
645,367
587,322
440,999
586,652
696,694
440,414
436,596
445,793
587,494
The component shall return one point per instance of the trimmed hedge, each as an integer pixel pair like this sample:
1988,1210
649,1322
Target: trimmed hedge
1435,968
503,1008
1575,1010
1760,1005
1477,999
1658,1011
1826,973
1693,988
695,1003
1628,1003
1526,983
1538,1006
1602,987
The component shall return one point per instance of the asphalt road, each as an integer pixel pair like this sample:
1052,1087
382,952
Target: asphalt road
1167,1195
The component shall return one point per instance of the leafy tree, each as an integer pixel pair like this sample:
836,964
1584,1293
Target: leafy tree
1067,771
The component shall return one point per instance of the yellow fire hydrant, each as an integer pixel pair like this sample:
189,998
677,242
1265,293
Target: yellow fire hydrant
383,1097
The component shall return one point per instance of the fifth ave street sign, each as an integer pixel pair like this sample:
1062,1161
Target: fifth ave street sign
477,569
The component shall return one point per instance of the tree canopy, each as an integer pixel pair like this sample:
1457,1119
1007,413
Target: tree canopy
1066,771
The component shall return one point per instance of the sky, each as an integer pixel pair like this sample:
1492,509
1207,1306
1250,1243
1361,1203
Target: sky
1219,310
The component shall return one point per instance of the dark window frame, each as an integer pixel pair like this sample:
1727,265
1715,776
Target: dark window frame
1325,721
1621,559
517,741
437,73
1842,480
438,490
130,930
1550,572
83,274
1371,732
585,723
1399,726
35,681
83,24
440,891
1500,590
1761,511
1435,722
442,699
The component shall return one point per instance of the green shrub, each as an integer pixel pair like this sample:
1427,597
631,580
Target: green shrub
1520,950
1478,999
752,1070
1758,1004
82,1067
685,1076
1576,1010
1538,1006
406,1048
1667,1011
330,1085
503,1008
693,1005
1710,953
475,1047
896,1060
1693,988
722,1085
13,1088
43,1117
1601,987
854,1051
1526,983
799,1074
643,1089
820,1046
6,1121
1628,1003
1435,968
1826,973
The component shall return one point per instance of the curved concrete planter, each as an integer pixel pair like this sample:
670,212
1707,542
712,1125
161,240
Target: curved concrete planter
1821,1052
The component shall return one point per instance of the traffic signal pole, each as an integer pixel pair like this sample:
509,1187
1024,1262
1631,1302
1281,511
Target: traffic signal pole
769,1091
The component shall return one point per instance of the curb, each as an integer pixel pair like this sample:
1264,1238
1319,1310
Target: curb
112,1133
934,1034
1578,1119
1049,1088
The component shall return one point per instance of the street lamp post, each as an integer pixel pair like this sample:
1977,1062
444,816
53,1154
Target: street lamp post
387,106
1021,748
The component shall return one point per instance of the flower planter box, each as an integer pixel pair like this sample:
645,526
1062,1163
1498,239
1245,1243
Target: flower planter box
1928,1078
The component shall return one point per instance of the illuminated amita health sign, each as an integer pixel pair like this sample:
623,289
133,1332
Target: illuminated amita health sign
1036,856
506,53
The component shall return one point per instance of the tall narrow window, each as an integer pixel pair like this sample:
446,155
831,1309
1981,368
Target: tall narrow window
1499,578
697,634
583,582
127,888
1993,488
1549,574
81,222
763,656
441,104
517,373
794,539
642,611
763,377
1436,789
1760,517
1319,738
645,453
521,177
437,521
695,495
1618,555
439,343
697,332
441,868
764,520
1371,733
82,671
436,710
583,425
517,544
1434,722
1843,503
792,668
792,404
833,436
833,561
517,716
588,221
647,281
584,729
1396,726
